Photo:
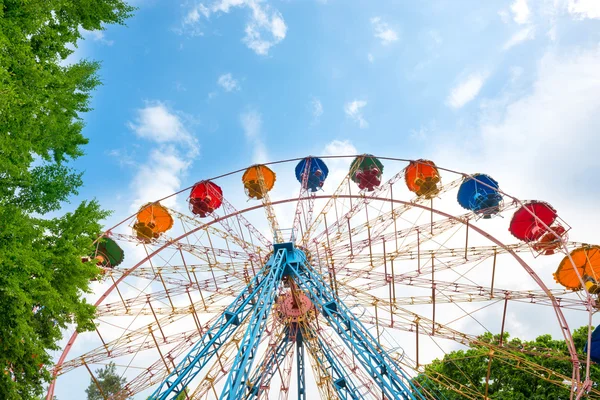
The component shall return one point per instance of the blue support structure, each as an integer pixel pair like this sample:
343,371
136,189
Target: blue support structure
256,302
394,382
236,380
300,367
264,373
211,341
343,385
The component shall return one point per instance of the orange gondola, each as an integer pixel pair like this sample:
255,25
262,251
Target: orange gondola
152,221
258,181
422,177
587,262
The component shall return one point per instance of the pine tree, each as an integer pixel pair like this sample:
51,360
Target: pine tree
109,381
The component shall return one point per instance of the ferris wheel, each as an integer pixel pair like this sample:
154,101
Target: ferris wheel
345,289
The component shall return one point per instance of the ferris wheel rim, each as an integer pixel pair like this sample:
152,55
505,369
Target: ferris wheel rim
515,200
480,231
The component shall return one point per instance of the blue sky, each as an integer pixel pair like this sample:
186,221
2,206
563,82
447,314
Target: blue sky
194,89
187,80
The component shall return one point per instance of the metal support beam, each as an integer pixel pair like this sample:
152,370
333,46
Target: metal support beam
212,340
263,374
392,380
300,367
255,303
342,383
235,386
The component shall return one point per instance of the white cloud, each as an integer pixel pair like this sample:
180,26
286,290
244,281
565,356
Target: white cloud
383,31
264,29
174,153
160,176
585,8
227,82
504,16
466,90
252,124
193,15
519,37
520,11
354,111
157,123
557,118
316,108
540,144
340,148
370,58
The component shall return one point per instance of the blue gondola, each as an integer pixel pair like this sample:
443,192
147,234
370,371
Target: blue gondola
474,195
317,173
595,351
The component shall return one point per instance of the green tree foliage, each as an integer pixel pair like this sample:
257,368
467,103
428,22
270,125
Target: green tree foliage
42,278
108,380
507,380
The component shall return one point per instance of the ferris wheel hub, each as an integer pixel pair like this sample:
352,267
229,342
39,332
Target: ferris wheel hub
292,307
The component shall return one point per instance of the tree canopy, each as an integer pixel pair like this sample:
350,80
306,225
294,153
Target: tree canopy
467,369
42,99
108,380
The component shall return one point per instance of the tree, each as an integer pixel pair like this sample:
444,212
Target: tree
508,380
42,278
108,380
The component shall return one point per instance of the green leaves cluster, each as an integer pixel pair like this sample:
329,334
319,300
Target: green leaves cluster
508,380
42,278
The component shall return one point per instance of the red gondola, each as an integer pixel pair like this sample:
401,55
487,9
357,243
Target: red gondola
205,198
524,224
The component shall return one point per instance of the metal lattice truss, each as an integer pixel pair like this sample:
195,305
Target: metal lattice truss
368,288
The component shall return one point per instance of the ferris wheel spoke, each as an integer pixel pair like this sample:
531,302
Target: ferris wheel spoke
219,369
377,234
340,224
453,292
471,295
156,372
366,385
285,372
202,252
279,348
143,305
253,252
159,370
185,275
396,238
129,343
304,213
347,275
263,190
319,362
331,202
420,325
374,225
250,248
256,238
